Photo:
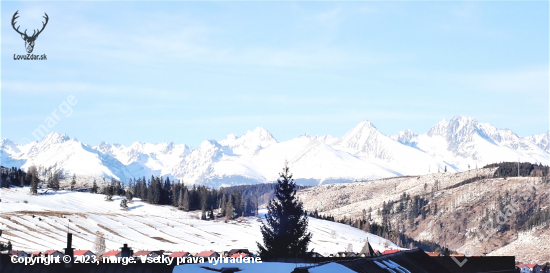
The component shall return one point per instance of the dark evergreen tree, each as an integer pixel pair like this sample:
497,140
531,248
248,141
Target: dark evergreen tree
34,184
73,182
185,202
94,187
285,229
211,214
53,182
229,209
129,195
108,191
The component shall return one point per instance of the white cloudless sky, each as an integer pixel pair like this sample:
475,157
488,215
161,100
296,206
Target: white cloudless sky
184,72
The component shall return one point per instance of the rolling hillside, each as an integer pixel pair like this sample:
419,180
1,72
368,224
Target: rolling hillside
472,212
40,223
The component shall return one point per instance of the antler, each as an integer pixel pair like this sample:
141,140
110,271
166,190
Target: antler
43,25
13,24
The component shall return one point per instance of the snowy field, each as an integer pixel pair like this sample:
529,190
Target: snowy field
40,223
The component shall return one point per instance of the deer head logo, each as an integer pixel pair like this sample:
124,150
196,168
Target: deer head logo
29,40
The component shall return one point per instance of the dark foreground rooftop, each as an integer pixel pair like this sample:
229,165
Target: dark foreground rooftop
410,261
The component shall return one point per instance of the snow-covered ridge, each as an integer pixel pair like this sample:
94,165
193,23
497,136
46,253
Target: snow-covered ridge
363,153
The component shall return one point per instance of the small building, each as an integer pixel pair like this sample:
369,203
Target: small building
313,254
239,255
19,253
238,251
112,253
205,254
149,254
529,268
36,254
347,254
179,254
389,251
52,253
84,255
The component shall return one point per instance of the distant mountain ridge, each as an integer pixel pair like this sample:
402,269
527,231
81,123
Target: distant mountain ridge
256,157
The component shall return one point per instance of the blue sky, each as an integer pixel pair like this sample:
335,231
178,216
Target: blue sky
190,71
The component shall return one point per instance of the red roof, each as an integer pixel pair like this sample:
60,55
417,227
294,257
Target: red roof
206,254
80,252
389,251
142,253
179,254
147,252
112,253
50,252
239,255
36,253
433,254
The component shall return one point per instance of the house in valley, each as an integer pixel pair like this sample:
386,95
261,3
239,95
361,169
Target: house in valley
84,255
52,253
19,253
112,254
179,254
206,254
529,268
149,254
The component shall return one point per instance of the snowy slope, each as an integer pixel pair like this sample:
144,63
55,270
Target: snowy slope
363,153
41,223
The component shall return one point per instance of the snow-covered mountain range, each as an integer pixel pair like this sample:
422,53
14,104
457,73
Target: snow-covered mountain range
256,157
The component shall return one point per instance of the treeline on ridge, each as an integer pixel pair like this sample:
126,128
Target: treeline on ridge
510,169
233,201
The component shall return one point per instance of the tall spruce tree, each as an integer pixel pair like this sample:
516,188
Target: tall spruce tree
185,201
34,184
73,182
285,228
54,182
94,187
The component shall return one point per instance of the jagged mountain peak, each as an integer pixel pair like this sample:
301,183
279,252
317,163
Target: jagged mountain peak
7,142
362,130
250,158
250,143
9,146
365,124
456,125
405,136
208,145
258,134
54,138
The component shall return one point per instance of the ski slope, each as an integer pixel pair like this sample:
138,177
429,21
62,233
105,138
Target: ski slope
40,222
